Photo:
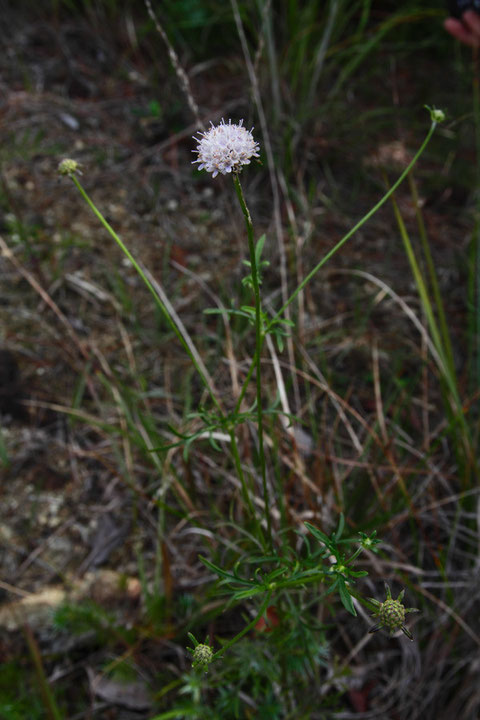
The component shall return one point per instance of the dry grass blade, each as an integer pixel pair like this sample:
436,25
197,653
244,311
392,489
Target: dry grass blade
7,253
180,72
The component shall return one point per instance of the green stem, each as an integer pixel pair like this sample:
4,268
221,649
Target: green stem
259,335
346,237
150,287
248,627
357,552
327,257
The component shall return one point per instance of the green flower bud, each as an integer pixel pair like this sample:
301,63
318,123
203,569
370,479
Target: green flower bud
202,656
69,167
202,653
391,614
436,115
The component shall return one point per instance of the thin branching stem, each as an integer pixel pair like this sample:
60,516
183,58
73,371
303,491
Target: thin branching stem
312,273
247,628
332,252
150,287
259,334
356,227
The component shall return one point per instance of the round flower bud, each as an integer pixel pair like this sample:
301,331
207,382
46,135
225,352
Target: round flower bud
68,167
391,615
202,656
436,115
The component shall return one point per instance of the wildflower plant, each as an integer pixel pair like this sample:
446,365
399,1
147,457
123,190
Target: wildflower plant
278,568
330,564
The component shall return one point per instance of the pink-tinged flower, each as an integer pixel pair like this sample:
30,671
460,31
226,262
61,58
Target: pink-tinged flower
225,148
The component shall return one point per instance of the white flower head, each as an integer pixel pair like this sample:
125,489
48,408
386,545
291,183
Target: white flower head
225,148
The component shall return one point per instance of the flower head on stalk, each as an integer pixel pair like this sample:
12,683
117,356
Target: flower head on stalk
225,148
69,167
391,614
202,653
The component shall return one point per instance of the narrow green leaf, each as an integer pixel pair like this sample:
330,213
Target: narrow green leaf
319,535
245,594
227,577
341,525
216,569
345,597
259,248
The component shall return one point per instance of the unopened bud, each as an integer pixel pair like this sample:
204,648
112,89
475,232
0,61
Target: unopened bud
69,167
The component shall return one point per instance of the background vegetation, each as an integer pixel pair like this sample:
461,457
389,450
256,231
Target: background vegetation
111,488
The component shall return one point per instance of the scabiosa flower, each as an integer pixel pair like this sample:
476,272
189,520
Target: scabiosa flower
202,656
391,614
225,148
69,167
202,653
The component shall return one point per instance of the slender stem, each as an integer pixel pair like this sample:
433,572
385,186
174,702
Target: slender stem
327,257
149,285
361,222
259,335
248,627
353,557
